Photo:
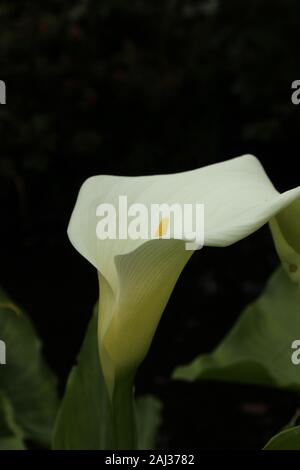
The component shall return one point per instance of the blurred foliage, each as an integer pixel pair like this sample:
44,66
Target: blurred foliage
28,395
149,420
257,350
11,436
288,439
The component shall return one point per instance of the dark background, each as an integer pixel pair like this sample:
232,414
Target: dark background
134,88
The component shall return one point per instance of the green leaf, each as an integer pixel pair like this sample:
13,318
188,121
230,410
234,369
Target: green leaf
84,419
25,379
148,413
289,439
11,435
257,350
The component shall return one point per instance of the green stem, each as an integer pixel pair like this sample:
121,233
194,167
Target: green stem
124,415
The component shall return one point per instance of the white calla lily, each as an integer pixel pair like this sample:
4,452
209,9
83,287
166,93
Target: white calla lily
137,276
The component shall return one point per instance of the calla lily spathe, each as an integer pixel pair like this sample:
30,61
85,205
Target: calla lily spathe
137,276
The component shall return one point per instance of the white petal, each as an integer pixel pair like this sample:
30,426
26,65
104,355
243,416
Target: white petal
237,195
